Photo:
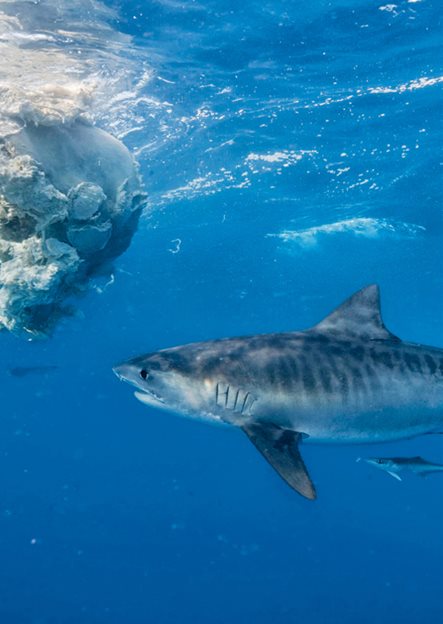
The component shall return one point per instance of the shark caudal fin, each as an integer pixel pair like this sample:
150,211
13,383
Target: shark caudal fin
359,316
280,448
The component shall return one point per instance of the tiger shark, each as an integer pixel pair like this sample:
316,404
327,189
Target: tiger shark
348,379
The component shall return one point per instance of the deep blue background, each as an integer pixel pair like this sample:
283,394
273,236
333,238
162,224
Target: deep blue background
113,512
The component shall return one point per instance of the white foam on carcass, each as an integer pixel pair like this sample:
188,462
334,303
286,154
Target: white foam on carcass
70,192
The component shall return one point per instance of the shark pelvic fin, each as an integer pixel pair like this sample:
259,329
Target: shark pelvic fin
280,448
358,316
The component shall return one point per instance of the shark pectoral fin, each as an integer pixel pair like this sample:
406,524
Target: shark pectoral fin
280,448
395,475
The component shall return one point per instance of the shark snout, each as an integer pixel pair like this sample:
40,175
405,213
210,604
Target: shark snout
134,373
123,371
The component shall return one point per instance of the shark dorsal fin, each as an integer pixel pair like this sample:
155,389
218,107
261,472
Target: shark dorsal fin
358,316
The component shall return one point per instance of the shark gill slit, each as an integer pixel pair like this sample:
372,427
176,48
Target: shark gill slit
219,393
244,403
235,400
227,396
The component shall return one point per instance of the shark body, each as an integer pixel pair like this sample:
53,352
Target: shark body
396,465
346,380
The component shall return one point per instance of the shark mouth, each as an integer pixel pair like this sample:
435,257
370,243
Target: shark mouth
149,397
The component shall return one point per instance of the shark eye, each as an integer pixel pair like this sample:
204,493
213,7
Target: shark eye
143,373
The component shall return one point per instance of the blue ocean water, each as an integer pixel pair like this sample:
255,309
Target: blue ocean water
291,153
